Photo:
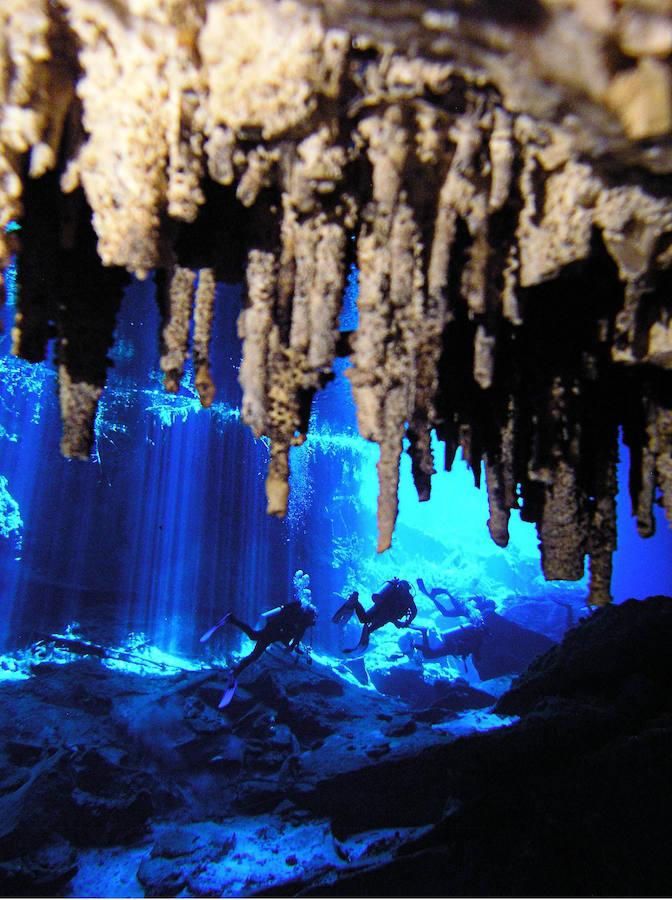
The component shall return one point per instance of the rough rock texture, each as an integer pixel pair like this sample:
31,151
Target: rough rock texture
612,653
96,764
309,785
503,168
571,800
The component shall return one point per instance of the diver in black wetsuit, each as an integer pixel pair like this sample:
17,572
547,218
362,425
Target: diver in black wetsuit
472,609
463,642
394,605
496,645
286,624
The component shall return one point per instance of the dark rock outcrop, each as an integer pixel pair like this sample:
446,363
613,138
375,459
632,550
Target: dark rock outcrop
615,656
42,872
574,799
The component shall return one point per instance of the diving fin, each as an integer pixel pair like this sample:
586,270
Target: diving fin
343,613
363,642
209,633
227,696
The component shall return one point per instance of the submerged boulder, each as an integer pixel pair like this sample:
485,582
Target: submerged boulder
42,872
161,877
408,684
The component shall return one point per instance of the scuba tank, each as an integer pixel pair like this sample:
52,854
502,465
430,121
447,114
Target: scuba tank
395,591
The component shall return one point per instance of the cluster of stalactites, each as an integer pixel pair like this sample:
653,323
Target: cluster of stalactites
457,207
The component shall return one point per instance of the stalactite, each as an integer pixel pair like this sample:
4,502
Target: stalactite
406,302
664,457
502,155
646,494
304,244
204,309
509,458
390,304
602,539
325,297
85,329
473,192
484,357
471,451
79,402
175,334
498,523
643,468
429,323
562,530
254,326
454,198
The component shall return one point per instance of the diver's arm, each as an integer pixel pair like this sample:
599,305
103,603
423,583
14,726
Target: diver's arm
410,614
431,653
427,651
437,653
300,650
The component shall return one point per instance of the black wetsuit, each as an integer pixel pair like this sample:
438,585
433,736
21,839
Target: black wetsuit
287,626
497,647
394,605
458,642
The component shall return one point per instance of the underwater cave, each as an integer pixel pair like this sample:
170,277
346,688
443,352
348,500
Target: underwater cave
335,448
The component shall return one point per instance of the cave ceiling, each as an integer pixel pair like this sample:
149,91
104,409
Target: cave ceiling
499,173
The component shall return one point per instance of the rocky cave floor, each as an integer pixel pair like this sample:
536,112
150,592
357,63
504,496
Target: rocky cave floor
118,784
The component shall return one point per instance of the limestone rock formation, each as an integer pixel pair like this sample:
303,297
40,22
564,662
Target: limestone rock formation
503,171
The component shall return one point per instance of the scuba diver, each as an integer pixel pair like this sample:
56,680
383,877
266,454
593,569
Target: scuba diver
462,641
496,645
285,624
393,604
472,609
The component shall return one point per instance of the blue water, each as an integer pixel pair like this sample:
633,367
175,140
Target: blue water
165,529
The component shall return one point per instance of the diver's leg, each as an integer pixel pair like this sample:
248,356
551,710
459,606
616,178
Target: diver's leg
363,641
251,633
360,612
261,645
344,612
250,658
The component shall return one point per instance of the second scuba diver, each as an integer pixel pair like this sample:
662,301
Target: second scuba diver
393,604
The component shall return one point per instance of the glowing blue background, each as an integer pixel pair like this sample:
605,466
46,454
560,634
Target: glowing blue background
166,527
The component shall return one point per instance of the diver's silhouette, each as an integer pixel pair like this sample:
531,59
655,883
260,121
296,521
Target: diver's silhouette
462,641
472,609
496,645
394,605
286,624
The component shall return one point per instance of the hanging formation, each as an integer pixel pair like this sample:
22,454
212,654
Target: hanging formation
513,291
